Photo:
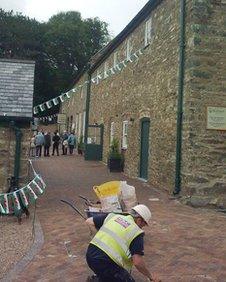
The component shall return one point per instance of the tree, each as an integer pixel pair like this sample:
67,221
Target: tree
70,42
61,47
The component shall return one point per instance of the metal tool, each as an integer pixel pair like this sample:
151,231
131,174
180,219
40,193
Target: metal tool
79,212
74,208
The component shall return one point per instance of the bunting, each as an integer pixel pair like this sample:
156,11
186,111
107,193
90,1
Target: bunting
100,76
11,202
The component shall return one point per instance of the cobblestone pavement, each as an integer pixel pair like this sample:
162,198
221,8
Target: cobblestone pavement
182,243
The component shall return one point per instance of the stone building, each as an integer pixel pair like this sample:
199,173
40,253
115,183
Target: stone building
16,112
160,88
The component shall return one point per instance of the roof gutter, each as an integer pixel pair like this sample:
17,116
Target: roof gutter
177,187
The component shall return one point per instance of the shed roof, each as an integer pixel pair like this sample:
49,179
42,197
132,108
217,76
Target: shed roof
16,88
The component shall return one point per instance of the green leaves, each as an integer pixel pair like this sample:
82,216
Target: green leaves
61,47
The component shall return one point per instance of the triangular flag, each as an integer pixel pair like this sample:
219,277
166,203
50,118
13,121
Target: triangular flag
55,101
23,197
112,70
135,55
6,203
48,104
16,202
68,95
61,98
38,187
117,67
41,180
141,51
1,209
124,63
42,108
32,193
35,110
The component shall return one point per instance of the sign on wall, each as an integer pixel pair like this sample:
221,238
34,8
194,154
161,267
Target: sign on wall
216,118
61,118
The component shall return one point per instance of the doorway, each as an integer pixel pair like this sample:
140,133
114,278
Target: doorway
144,147
94,146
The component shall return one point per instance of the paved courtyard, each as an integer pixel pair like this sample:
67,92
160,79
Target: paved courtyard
182,243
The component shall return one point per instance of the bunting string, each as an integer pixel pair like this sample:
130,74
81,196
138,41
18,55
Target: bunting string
95,80
11,202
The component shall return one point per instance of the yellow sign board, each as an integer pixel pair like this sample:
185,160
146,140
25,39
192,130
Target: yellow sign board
61,118
216,118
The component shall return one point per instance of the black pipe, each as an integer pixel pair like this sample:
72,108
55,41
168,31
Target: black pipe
18,135
177,187
87,108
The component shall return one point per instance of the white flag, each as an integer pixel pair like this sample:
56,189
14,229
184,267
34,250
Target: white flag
48,104
6,203
55,101
38,187
2,209
32,192
16,201
61,98
41,180
25,201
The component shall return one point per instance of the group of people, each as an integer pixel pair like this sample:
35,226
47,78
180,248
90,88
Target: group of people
42,142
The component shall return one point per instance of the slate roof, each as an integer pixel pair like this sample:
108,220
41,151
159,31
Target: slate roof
16,88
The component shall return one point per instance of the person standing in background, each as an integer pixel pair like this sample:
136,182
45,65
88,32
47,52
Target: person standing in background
32,146
56,142
64,143
71,142
47,143
39,142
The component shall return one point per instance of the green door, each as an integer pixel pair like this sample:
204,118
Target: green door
144,148
94,146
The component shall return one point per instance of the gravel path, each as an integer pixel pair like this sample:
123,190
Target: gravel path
16,239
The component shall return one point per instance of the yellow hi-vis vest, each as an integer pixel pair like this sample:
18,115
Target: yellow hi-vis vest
115,236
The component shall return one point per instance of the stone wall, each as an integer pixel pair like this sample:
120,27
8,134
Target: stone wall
204,151
7,155
75,108
145,88
148,87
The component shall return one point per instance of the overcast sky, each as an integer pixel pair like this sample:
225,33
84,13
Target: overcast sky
117,13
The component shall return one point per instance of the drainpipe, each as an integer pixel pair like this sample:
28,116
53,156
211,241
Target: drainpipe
18,135
177,187
87,108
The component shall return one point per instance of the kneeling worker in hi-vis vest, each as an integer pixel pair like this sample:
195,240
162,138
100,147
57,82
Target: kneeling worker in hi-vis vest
118,245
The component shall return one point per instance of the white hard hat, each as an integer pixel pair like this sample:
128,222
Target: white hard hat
143,211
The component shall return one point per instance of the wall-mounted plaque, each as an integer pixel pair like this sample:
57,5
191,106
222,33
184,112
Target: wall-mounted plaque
61,118
216,118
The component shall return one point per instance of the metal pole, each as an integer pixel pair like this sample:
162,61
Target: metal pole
177,187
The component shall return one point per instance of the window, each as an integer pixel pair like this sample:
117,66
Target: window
71,123
98,78
112,131
80,124
115,59
128,49
148,32
84,124
124,134
81,93
76,124
105,69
